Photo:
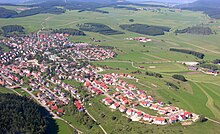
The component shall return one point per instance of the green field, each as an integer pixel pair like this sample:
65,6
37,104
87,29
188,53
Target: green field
5,90
64,128
199,95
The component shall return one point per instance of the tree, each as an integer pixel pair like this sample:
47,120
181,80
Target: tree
179,77
131,20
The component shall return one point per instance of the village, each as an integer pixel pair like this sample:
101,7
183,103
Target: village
42,63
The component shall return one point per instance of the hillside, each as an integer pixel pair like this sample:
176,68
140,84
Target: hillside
210,7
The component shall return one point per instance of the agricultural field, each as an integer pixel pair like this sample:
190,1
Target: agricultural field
200,94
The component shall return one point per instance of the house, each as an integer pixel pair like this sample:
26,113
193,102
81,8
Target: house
79,105
108,101
129,111
173,119
147,117
60,112
54,107
159,121
115,105
154,107
132,87
122,108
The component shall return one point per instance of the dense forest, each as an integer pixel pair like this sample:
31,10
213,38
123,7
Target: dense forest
98,28
200,30
21,115
179,77
145,29
69,31
6,13
186,51
11,29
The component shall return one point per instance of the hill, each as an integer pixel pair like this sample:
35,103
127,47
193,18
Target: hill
210,7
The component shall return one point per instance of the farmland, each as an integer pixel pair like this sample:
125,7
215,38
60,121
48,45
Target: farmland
200,94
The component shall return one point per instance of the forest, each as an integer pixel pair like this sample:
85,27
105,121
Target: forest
145,29
186,51
70,31
12,28
200,30
21,115
6,13
98,28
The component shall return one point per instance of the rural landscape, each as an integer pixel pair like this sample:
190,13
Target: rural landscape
109,67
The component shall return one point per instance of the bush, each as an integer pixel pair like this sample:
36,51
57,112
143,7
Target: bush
202,118
172,85
179,77
114,117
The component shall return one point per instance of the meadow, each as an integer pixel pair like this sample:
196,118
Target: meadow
199,95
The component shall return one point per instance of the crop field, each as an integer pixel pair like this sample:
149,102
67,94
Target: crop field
200,94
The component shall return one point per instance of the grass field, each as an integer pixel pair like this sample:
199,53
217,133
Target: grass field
5,90
64,128
200,94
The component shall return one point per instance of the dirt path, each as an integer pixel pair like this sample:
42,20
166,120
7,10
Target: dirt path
210,102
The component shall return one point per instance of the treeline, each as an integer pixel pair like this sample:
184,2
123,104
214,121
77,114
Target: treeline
179,77
21,115
10,29
70,31
157,75
127,8
98,28
40,10
186,51
200,30
6,13
94,10
145,29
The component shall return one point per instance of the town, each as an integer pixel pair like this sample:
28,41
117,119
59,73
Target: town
40,63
